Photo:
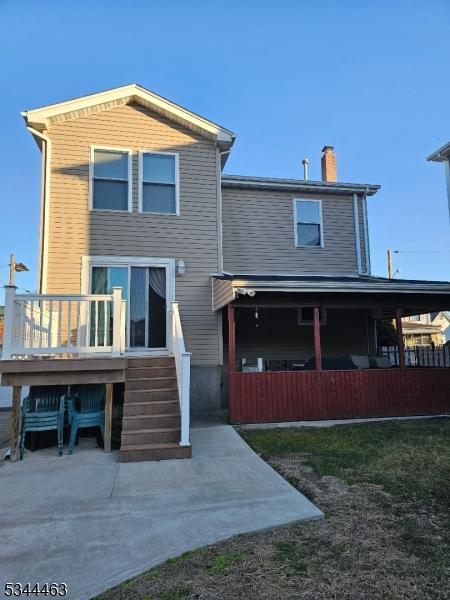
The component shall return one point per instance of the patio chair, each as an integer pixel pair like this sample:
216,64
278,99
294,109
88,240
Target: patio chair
43,410
86,408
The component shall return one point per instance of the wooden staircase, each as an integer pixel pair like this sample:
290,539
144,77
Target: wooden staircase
151,425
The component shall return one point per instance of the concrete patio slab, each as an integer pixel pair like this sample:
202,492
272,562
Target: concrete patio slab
91,522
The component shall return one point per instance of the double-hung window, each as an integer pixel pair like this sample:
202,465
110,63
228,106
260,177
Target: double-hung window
110,179
308,223
159,191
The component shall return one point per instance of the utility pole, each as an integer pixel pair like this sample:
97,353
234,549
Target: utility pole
13,267
390,265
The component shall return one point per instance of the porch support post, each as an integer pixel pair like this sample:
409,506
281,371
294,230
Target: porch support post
400,343
15,423
317,348
117,321
231,361
231,340
108,417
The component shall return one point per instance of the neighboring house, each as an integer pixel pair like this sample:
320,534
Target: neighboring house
421,334
236,270
2,319
443,155
426,329
442,320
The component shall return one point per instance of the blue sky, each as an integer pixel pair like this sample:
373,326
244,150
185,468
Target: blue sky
288,77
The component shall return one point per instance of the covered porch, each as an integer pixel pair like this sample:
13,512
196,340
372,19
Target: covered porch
307,349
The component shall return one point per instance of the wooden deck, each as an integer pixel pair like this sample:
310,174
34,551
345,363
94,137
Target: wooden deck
315,395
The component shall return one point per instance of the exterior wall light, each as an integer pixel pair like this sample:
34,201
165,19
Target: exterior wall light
181,267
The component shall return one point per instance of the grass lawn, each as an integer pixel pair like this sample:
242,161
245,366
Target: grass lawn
385,492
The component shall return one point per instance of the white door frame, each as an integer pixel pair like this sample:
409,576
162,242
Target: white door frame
87,262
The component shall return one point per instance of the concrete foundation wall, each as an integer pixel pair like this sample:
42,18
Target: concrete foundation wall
205,388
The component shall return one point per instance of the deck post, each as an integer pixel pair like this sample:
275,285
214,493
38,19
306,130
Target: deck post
400,342
108,417
15,423
317,347
10,292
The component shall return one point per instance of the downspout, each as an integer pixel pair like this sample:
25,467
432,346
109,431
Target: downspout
219,210
357,234
366,232
45,192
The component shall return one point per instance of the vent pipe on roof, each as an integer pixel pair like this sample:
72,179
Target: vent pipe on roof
305,163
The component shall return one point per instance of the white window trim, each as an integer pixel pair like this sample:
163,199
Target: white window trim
87,262
300,321
296,221
91,178
141,182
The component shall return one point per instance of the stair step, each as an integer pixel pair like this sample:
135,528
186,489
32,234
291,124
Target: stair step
149,383
148,395
157,421
156,361
151,436
139,372
151,407
154,452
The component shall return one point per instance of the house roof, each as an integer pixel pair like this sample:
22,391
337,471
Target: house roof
40,118
300,185
416,327
441,154
414,292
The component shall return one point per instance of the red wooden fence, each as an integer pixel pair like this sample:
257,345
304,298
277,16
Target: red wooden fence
316,395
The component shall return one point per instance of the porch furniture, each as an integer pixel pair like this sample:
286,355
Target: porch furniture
380,362
43,410
296,365
332,363
276,365
86,408
361,361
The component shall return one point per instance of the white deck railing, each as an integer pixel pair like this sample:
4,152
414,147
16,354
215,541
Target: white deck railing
183,367
52,324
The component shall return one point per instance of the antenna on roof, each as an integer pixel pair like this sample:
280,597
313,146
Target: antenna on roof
305,163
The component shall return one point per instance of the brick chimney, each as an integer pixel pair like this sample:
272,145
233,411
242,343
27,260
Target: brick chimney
328,163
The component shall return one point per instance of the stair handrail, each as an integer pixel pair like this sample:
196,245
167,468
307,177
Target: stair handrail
183,370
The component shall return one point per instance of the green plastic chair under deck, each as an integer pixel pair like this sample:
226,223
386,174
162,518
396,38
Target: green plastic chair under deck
43,410
86,409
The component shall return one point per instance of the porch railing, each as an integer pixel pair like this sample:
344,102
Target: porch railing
55,324
183,368
419,356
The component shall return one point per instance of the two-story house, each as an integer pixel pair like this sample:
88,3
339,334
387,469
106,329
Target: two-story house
150,256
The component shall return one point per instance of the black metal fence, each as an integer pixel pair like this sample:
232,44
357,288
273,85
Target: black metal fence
419,356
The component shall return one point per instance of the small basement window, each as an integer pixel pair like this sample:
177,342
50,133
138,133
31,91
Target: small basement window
308,223
110,187
159,183
305,315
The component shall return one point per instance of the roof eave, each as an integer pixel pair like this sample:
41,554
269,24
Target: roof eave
300,185
440,155
39,117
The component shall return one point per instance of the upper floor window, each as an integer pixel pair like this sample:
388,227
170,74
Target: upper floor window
159,191
110,174
308,223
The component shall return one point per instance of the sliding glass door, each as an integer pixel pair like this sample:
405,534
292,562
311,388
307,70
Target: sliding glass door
145,289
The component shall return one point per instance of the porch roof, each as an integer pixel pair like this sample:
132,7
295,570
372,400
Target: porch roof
417,295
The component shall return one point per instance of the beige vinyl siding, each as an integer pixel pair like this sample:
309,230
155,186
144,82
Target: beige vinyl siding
223,293
76,231
258,234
